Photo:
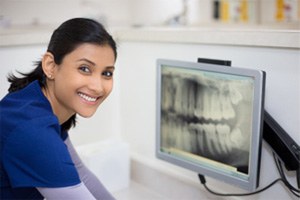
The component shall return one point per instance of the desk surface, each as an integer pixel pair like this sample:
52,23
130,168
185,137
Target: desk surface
27,35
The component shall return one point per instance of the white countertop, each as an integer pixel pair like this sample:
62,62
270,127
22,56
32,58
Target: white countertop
25,35
137,191
246,37
193,35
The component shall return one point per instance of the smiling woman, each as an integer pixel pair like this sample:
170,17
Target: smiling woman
81,82
74,77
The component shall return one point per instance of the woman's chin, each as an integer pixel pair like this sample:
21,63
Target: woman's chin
86,115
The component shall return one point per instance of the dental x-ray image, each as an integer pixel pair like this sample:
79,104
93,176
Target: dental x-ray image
207,114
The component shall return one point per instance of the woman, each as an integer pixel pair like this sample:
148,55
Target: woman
74,76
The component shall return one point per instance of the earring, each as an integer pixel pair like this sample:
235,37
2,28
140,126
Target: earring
50,76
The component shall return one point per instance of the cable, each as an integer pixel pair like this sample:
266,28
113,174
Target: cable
282,174
298,177
202,179
282,178
293,190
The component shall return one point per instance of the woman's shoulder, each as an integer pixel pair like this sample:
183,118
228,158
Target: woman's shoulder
24,107
34,154
31,92
41,130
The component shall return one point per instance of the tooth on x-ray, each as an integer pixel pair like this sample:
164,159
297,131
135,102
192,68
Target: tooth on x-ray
204,115
235,95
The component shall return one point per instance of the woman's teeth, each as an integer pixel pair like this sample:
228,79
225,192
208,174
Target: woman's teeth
87,98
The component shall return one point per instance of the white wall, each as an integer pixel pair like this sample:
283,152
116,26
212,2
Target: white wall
17,58
138,98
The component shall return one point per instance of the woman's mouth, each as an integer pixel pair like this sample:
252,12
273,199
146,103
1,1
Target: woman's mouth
87,98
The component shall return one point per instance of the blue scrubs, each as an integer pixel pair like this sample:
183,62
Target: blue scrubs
33,152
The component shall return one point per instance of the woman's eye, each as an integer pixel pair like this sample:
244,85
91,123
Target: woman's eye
84,69
107,74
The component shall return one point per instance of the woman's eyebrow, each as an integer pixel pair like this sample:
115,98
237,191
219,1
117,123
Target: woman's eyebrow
110,67
87,60
94,64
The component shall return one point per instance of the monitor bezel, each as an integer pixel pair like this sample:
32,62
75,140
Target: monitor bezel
257,126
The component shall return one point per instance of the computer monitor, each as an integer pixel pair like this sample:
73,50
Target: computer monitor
210,119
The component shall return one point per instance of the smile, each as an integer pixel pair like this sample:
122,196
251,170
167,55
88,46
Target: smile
87,98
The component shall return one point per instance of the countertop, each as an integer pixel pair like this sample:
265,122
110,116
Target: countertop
25,35
33,35
211,35
137,191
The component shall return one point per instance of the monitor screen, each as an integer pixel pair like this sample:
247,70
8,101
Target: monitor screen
210,119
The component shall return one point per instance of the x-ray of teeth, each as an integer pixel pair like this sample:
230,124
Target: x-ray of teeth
209,116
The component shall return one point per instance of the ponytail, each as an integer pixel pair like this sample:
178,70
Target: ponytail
18,83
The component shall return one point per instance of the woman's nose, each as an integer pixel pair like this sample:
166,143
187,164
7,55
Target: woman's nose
96,85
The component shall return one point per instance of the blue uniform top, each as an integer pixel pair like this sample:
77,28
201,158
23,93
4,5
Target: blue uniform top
33,152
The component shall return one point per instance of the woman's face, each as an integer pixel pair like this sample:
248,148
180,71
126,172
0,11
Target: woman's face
82,81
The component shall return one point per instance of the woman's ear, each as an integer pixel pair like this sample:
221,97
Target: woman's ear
48,65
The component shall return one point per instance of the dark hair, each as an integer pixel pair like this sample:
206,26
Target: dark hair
64,40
